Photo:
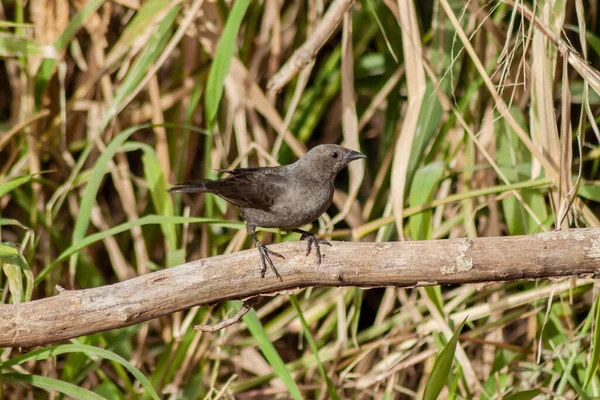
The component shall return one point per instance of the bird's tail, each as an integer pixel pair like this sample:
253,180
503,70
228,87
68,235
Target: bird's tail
190,187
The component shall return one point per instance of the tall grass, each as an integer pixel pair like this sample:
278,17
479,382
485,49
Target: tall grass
487,118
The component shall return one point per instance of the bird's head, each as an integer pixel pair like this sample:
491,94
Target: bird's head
329,158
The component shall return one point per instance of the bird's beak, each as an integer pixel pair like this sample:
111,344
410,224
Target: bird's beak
353,155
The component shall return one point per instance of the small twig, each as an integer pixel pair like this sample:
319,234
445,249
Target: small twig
305,54
247,306
7,136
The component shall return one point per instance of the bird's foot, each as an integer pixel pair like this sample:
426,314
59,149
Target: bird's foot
265,260
312,239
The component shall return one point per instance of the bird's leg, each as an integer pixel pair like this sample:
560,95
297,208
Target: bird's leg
264,252
312,239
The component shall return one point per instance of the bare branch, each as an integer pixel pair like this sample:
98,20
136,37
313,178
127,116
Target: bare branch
72,313
247,306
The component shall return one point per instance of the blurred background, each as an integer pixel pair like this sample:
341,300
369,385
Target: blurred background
478,119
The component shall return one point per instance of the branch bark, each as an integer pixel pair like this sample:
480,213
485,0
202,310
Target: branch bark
72,313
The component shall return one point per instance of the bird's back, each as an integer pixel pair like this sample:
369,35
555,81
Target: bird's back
286,197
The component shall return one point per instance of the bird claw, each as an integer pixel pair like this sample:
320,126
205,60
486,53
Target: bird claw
265,260
312,239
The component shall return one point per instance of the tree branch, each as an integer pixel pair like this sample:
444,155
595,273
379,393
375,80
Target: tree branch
74,313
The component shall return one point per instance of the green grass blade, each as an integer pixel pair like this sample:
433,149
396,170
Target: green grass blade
157,187
43,382
147,220
44,353
331,391
273,358
354,322
146,16
6,250
10,24
425,183
46,69
371,7
15,267
441,368
91,189
15,279
222,61
14,46
153,49
590,191
592,368
11,221
6,187
524,395
158,193
152,52
109,390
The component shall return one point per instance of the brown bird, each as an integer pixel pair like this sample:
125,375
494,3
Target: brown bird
286,197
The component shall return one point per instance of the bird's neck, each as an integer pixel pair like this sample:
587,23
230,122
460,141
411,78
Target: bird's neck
313,171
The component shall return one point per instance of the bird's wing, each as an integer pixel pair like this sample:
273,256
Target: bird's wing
255,189
239,171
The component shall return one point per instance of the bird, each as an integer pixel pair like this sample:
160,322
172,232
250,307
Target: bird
285,197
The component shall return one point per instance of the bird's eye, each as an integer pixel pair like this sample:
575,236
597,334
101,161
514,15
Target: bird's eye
334,155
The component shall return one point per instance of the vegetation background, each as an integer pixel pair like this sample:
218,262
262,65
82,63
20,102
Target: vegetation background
478,118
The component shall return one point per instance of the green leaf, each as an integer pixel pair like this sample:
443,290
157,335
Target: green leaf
441,368
7,250
11,221
15,280
15,266
595,358
43,382
91,189
47,352
20,263
389,45
273,358
425,183
524,395
150,12
161,200
593,40
152,51
589,191
354,322
14,46
135,74
332,393
435,295
514,160
222,61
10,24
158,193
7,187
46,69
147,220
109,390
